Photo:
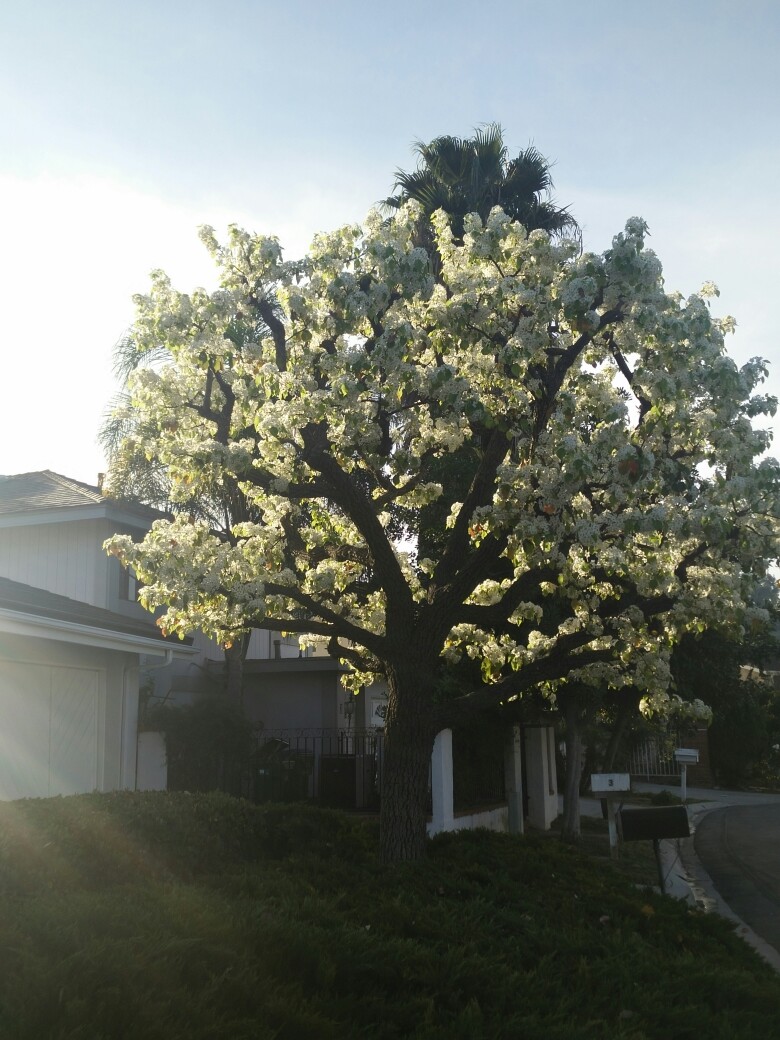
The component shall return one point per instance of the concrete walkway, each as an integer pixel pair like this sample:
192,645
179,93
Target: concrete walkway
731,862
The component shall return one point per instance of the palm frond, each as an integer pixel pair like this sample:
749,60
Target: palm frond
117,423
128,357
528,174
472,175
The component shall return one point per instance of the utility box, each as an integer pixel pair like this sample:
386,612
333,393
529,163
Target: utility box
669,821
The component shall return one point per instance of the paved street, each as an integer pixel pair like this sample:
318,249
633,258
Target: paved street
732,862
739,847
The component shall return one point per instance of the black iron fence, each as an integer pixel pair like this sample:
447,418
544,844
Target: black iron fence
335,767
340,768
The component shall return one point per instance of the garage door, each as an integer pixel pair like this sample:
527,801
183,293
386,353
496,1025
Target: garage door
48,730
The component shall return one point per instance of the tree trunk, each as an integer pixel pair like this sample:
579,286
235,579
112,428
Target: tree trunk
590,765
628,707
406,761
570,825
235,655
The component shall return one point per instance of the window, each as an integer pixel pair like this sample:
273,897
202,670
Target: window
129,585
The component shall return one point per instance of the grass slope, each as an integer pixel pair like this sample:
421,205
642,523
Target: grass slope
145,916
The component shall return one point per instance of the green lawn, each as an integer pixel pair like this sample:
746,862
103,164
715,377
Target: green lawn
145,916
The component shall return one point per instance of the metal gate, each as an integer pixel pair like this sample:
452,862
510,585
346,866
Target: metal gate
339,768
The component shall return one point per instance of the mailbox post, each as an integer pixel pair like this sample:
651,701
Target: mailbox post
608,786
685,757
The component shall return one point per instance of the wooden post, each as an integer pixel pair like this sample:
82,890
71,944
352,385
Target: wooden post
614,848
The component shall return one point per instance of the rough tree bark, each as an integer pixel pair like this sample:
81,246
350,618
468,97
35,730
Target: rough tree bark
235,656
570,827
408,743
627,710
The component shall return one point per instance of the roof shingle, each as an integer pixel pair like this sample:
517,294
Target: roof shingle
25,599
34,492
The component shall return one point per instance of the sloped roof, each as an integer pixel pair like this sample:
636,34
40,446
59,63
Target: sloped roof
26,599
30,497
33,492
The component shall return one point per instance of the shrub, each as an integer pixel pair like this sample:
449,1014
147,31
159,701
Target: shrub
286,927
209,745
100,839
664,798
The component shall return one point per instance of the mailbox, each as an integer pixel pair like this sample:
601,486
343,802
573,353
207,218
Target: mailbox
653,824
670,821
685,756
610,783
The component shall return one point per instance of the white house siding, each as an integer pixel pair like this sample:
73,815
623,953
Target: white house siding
67,719
63,558
264,645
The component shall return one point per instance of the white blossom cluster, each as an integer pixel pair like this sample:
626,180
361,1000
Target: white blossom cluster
629,502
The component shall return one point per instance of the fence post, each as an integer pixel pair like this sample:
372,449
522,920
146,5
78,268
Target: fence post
152,768
441,783
513,778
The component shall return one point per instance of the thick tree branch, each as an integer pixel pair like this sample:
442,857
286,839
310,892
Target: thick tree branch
330,624
276,328
522,681
645,404
350,497
479,494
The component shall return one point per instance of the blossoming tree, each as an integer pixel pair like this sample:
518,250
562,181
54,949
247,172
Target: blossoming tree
615,497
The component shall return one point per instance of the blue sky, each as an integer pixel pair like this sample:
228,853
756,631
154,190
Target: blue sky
122,128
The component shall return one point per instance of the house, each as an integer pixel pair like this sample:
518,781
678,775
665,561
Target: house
71,646
78,655
77,650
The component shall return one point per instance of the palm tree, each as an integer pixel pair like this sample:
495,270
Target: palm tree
472,175
136,478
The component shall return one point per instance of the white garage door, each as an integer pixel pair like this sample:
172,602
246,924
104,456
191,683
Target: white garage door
48,730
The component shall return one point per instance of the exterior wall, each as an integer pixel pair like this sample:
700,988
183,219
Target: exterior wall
62,558
68,717
539,750
442,816
67,558
702,772
490,819
293,700
188,680
371,705
268,646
